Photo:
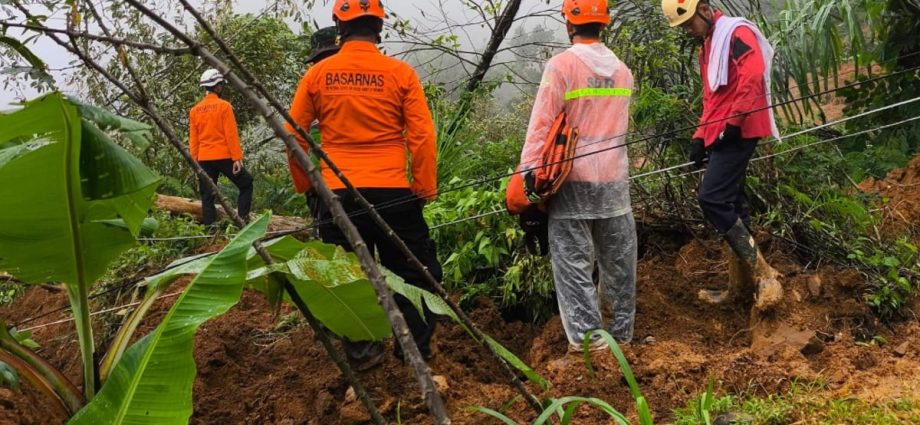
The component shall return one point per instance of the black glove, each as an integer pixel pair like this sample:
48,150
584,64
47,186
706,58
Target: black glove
731,134
535,224
698,153
313,203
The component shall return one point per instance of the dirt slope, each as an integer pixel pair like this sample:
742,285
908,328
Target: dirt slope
900,191
252,371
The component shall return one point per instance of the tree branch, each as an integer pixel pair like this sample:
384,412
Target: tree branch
95,37
368,264
171,135
303,161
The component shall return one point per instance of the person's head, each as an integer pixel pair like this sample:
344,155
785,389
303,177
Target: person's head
324,43
693,16
212,80
585,19
358,19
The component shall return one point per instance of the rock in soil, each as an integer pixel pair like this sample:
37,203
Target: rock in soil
733,419
440,381
814,285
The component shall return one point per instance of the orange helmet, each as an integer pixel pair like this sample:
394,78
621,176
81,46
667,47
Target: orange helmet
346,10
580,12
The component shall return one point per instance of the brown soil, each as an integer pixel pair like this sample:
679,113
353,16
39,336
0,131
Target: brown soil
252,370
900,203
832,105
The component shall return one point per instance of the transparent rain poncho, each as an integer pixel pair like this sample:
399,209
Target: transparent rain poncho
575,246
593,87
590,217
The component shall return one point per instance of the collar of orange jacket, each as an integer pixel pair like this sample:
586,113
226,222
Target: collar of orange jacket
211,95
358,46
586,41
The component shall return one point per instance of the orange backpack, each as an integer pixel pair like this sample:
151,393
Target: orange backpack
534,185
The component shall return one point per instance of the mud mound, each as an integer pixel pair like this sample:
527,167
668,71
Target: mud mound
254,369
900,192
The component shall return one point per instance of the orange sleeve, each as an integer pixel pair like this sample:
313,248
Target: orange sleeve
420,135
231,134
303,112
192,136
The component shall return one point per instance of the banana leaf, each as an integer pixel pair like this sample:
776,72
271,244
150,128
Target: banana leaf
335,289
71,202
152,383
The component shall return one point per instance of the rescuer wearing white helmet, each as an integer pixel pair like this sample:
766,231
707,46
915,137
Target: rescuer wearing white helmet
215,144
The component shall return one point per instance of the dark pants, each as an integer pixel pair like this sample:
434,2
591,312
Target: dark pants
721,194
242,180
407,221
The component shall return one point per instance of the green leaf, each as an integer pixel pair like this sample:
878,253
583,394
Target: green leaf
330,282
8,376
335,289
135,131
27,54
439,307
37,371
621,359
501,417
52,229
24,338
891,261
152,383
601,405
71,182
338,294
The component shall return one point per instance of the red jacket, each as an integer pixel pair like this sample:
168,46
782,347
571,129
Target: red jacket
744,92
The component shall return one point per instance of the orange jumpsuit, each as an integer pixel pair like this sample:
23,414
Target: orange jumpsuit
373,120
212,130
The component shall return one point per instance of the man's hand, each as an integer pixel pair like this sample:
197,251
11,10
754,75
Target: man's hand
535,224
698,153
237,166
731,134
313,203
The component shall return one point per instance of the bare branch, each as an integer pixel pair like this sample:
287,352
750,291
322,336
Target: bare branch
111,40
407,343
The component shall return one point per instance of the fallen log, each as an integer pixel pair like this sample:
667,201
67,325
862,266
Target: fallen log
177,205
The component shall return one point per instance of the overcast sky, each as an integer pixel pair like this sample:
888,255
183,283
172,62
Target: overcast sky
420,12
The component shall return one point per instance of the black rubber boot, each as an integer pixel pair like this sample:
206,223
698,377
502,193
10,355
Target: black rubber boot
755,268
742,243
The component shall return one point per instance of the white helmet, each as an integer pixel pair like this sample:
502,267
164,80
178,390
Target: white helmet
211,78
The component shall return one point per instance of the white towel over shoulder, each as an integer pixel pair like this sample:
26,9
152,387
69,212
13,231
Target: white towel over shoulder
720,57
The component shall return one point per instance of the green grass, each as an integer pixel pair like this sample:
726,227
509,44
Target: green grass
804,404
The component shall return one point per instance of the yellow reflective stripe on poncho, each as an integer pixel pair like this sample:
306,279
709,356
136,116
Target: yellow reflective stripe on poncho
597,92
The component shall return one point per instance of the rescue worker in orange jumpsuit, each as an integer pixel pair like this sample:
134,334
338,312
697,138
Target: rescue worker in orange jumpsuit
735,64
590,216
373,121
215,144
324,43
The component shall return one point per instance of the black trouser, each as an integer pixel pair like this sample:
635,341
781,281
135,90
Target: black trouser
242,180
407,221
721,194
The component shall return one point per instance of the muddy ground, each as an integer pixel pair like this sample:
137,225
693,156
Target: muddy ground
253,370
900,200
256,369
